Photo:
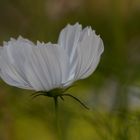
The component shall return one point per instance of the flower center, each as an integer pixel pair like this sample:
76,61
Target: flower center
54,92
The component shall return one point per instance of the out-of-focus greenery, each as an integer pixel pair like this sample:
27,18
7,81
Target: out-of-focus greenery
112,92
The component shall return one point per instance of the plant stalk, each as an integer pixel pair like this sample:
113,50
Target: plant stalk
58,133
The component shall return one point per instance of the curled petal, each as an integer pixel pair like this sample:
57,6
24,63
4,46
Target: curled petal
12,61
68,40
83,47
90,48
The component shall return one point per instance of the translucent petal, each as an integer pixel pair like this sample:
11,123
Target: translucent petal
8,70
14,58
68,39
48,65
39,67
89,51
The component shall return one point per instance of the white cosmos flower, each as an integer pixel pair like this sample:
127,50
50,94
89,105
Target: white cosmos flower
43,67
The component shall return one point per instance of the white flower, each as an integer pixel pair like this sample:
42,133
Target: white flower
43,67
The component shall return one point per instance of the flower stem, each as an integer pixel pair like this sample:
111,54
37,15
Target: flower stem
56,105
58,134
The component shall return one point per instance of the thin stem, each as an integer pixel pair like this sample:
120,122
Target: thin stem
57,118
56,105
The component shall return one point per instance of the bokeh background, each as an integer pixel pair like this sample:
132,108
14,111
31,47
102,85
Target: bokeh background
113,90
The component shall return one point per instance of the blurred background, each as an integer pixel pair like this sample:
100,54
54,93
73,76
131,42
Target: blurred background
112,92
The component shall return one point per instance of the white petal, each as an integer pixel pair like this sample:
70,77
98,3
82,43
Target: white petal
40,67
47,67
12,62
9,72
89,51
94,63
68,40
69,37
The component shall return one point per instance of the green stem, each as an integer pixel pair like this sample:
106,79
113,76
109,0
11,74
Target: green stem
58,134
56,106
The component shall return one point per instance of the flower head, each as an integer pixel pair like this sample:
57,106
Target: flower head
44,67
